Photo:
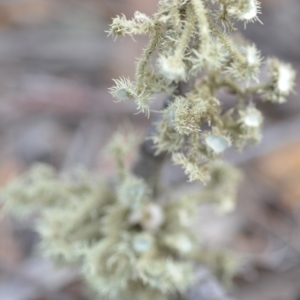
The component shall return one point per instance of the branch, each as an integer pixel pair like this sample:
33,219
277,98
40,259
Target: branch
148,166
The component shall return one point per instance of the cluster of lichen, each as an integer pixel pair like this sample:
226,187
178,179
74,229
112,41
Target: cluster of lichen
130,245
192,39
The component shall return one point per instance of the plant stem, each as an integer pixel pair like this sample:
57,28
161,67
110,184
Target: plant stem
149,164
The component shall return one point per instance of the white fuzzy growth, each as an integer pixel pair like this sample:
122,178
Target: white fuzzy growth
175,273
153,217
250,13
183,243
142,243
123,89
217,143
285,79
252,119
122,95
252,56
172,68
227,205
184,218
140,17
171,117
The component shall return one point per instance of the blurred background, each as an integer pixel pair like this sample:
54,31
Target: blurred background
56,64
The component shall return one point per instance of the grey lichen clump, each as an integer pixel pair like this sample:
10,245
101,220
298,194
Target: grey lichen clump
127,244
130,244
192,39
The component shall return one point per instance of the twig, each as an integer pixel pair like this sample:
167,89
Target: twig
148,167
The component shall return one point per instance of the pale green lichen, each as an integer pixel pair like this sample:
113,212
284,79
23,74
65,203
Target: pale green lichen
188,38
128,244
120,238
